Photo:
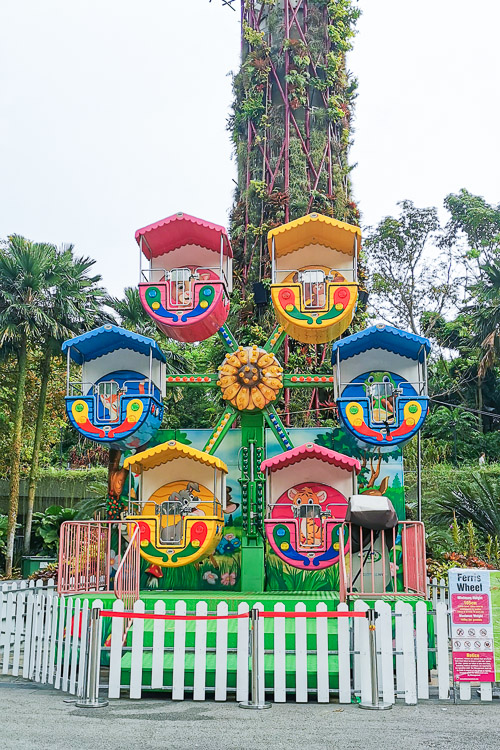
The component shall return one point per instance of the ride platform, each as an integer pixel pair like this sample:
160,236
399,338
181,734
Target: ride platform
268,599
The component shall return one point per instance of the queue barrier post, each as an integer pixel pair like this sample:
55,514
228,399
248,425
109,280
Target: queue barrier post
375,704
255,703
91,680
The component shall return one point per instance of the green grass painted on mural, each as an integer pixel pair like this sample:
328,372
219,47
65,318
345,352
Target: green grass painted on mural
284,577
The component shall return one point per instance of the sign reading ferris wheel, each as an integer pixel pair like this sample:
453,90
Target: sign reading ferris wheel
474,624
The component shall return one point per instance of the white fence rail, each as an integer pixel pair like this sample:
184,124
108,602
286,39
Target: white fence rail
437,590
45,638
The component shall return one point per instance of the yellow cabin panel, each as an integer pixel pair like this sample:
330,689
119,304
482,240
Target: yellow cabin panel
173,534
316,320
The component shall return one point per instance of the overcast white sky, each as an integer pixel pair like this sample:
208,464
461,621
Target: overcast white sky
112,114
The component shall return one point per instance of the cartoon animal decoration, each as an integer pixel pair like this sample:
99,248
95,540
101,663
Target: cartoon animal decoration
187,500
377,491
381,389
311,533
110,402
179,504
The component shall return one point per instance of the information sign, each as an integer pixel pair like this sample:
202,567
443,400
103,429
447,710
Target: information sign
472,629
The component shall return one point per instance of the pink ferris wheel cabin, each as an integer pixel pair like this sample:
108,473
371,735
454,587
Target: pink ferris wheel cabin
186,285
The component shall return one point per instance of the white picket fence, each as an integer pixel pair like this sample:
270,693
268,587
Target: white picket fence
437,590
403,660
44,638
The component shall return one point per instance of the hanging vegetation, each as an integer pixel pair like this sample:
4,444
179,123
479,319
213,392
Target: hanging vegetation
291,121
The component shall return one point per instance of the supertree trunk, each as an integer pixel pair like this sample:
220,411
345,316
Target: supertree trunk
291,133
291,120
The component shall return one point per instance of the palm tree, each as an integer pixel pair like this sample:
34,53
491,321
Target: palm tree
476,501
131,313
73,304
133,317
26,275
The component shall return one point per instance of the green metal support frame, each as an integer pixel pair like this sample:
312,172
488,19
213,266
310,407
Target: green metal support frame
252,452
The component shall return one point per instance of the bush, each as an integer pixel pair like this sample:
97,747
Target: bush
48,525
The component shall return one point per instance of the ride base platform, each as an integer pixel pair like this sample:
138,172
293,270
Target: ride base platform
268,599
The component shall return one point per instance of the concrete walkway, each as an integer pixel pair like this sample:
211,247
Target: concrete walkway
35,718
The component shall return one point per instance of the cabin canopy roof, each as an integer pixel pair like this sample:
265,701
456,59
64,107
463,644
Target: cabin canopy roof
384,337
311,450
169,451
108,338
179,230
314,229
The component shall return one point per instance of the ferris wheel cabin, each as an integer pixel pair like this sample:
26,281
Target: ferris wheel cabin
314,289
186,286
307,498
381,385
179,505
116,399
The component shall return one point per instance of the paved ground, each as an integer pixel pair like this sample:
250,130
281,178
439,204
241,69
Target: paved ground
35,718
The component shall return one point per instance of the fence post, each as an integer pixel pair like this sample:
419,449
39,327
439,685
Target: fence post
91,682
255,703
375,704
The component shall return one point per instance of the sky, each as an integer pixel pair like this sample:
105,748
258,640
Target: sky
113,115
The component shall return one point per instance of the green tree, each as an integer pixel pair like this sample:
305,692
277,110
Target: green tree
474,230
458,427
486,316
410,268
26,275
132,314
473,234
73,305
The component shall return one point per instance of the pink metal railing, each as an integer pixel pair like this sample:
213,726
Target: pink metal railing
87,559
128,573
375,570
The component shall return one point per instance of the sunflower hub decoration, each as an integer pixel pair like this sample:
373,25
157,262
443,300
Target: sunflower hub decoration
250,378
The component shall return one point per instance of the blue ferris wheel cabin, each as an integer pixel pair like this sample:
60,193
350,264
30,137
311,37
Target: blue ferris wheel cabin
116,398
381,385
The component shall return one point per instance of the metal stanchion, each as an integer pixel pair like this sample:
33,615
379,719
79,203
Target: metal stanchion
255,703
83,667
91,681
375,704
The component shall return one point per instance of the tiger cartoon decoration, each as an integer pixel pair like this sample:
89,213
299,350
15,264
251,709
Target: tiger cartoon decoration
306,502
309,502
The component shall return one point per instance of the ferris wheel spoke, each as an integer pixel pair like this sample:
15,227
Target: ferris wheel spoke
275,339
220,430
227,338
273,420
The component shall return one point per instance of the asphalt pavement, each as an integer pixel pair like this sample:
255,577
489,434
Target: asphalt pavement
35,717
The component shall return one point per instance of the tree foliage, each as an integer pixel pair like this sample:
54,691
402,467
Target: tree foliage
410,272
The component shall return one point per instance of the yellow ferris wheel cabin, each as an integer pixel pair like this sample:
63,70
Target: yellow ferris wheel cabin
179,504
314,283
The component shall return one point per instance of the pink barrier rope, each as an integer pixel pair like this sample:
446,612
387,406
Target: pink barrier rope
243,615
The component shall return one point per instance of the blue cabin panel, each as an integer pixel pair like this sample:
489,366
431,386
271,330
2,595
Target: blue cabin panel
382,409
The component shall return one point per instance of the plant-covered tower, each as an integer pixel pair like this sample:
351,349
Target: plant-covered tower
291,120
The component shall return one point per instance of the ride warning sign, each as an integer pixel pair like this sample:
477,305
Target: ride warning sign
472,625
